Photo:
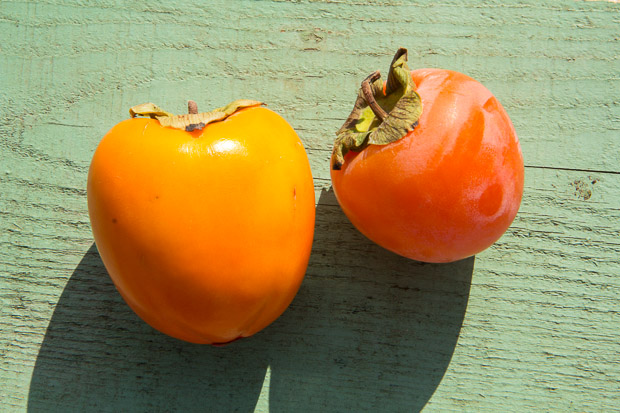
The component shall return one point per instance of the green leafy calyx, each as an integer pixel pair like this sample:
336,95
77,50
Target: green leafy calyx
378,117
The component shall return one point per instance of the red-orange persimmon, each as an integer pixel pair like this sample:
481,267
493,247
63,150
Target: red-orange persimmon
447,189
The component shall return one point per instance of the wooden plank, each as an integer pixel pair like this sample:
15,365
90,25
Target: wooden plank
554,67
530,324
537,325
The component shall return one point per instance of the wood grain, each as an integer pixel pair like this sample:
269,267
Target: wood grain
531,324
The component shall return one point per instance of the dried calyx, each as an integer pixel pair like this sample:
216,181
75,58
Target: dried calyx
379,117
192,120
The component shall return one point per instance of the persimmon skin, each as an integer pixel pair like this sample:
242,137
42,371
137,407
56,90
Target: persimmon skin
206,234
448,189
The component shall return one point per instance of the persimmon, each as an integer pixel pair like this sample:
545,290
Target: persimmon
428,164
204,221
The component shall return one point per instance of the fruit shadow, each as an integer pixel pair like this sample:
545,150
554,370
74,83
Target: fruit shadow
97,355
369,330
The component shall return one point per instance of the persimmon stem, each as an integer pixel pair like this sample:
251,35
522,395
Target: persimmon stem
370,98
366,127
192,107
192,120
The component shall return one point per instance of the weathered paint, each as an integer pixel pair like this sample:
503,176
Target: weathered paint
530,324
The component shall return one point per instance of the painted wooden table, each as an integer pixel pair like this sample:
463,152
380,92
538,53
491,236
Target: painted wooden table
531,324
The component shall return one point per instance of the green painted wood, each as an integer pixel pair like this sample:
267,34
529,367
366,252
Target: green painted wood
532,324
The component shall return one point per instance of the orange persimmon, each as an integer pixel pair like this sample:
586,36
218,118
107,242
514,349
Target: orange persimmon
428,165
204,221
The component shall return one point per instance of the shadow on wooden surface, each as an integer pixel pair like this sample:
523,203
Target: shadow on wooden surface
368,330
97,355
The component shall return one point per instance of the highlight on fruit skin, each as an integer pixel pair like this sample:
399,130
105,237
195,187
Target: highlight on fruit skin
204,221
428,165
